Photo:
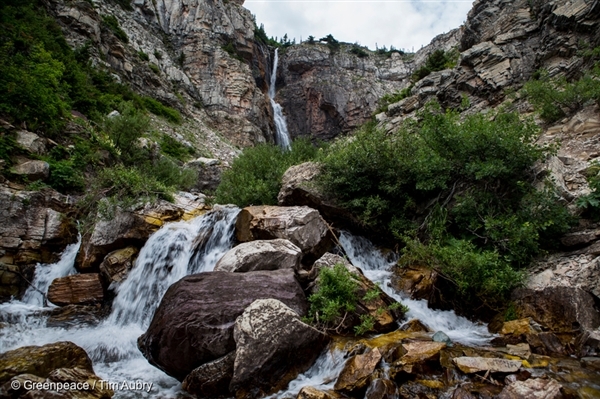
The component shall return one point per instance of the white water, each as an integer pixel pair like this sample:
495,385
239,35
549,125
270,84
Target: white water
174,251
281,131
363,254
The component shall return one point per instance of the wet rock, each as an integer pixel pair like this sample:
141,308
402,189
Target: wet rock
521,350
10,281
381,388
42,360
441,336
314,393
117,264
418,282
591,363
418,355
383,309
520,327
470,365
301,225
534,388
588,344
560,309
33,170
261,255
31,142
194,323
460,393
78,289
272,347
75,315
415,389
414,325
97,388
212,379
356,372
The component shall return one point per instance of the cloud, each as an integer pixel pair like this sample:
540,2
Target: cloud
404,24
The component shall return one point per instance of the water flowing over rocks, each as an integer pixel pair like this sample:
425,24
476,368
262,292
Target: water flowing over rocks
301,225
261,255
195,320
272,347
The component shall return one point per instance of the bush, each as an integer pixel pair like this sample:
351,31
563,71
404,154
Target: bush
336,294
391,98
143,56
125,130
437,61
458,185
174,148
556,98
111,22
65,177
157,108
171,174
255,176
358,51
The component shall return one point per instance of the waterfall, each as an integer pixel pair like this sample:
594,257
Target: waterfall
281,132
174,251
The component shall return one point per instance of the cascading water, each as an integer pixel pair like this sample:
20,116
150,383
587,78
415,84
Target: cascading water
172,252
363,254
281,131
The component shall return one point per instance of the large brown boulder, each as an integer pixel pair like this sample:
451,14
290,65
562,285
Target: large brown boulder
42,360
273,346
212,379
301,225
261,255
357,371
117,264
559,309
78,289
194,322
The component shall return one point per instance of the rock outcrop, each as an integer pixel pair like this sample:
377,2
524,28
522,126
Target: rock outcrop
272,347
301,225
261,255
195,320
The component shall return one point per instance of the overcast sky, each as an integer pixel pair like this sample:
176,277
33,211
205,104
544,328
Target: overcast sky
401,23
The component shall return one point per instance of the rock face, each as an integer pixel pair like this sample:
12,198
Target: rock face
33,170
42,360
261,255
301,225
272,347
78,289
117,264
194,323
209,173
212,379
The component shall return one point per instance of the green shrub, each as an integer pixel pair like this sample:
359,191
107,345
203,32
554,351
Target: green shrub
590,203
111,22
159,109
171,174
125,130
437,61
158,55
174,148
391,98
556,98
358,51
255,176
143,56
458,185
336,294
64,177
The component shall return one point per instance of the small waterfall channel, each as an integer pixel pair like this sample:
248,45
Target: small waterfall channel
281,132
174,251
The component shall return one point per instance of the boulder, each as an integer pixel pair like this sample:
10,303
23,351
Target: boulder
418,355
314,393
42,360
31,142
212,379
78,289
261,255
272,347
301,225
418,282
470,365
97,388
415,325
209,173
533,388
559,309
381,388
383,309
117,264
32,170
10,281
194,322
356,372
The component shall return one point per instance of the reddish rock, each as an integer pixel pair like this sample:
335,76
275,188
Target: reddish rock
78,289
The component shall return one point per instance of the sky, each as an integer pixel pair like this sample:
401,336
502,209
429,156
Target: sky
404,24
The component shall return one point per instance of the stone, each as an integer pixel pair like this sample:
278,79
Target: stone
97,388
381,388
591,363
470,365
117,264
520,327
309,392
78,289
273,346
194,322
356,372
441,336
42,360
301,225
415,325
209,173
212,379
31,142
261,255
383,309
418,282
10,281
33,170
461,393
533,388
418,354
521,350
560,309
